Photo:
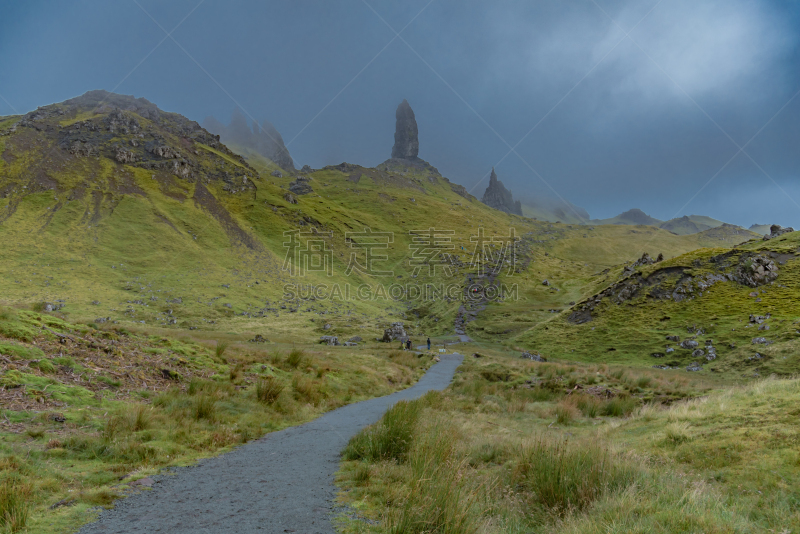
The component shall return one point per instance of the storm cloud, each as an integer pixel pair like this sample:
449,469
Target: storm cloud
675,107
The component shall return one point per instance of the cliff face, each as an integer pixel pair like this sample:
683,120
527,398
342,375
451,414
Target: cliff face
263,138
498,197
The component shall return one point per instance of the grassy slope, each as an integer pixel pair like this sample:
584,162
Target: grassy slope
106,405
630,332
507,450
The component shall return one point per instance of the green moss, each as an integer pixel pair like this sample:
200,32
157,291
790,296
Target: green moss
21,352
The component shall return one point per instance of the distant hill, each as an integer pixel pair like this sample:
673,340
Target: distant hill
634,216
760,228
262,139
554,210
688,224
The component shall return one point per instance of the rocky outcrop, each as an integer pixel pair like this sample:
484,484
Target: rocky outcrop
498,197
300,186
776,230
406,134
396,331
263,139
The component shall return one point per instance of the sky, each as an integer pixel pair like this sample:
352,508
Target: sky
675,107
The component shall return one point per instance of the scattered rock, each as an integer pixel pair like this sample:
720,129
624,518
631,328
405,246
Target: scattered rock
64,502
535,357
698,353
673,338
761,341
144,482
355,339
259,339
329,340
669,350
300,186
545,283
277,174
657,354
694,367
689,344
290,198
169,374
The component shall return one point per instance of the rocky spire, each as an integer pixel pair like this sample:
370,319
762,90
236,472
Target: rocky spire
498,197
406,136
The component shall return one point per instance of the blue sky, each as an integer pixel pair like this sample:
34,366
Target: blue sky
610,104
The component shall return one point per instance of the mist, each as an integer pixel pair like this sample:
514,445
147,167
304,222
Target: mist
676,108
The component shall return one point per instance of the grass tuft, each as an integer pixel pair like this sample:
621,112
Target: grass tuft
268,389
388,439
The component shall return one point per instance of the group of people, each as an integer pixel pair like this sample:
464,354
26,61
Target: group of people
407,344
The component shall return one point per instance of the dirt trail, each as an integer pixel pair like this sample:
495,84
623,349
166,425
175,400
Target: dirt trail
282,482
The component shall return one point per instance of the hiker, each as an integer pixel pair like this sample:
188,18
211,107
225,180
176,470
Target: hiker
429,343
408,344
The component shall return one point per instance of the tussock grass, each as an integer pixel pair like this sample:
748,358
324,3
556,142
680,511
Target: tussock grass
14,510
295,358
562,476
388,439
268,389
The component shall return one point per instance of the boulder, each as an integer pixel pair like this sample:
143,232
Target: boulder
329,340
694,367
689,344
698,353
277,174
396,331
355,339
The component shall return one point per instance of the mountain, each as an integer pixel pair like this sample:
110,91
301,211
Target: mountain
634,216
263,139
120,210
498,197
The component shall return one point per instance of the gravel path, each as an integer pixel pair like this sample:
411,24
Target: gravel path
282,482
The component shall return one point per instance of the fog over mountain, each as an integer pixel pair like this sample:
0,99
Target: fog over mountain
675,108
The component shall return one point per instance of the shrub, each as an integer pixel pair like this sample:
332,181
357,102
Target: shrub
561,477
13,506
388,439
295,358
268,390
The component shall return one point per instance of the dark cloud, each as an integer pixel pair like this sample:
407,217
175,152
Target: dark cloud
640,121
